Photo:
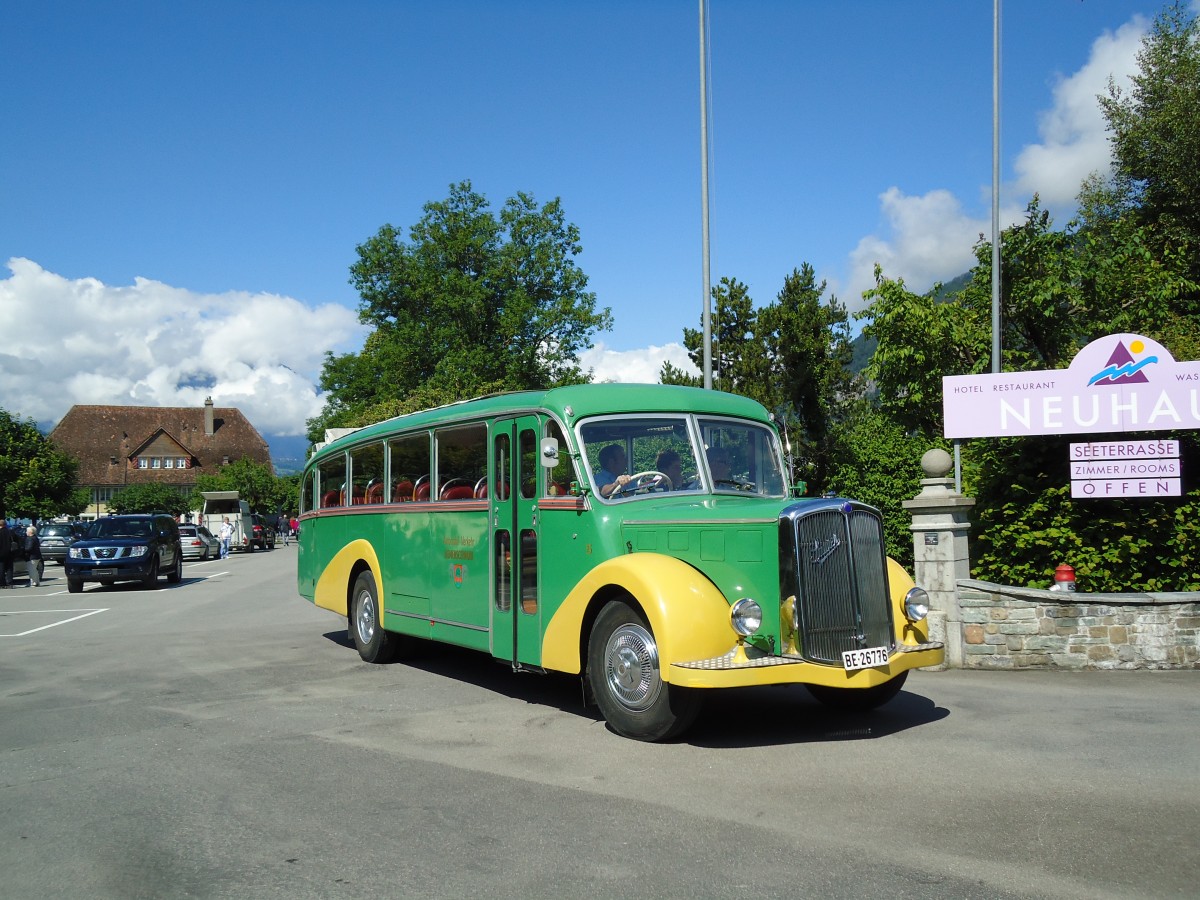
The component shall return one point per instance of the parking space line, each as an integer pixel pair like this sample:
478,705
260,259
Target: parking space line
84,613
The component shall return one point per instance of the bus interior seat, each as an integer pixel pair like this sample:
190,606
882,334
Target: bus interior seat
456,489
402,491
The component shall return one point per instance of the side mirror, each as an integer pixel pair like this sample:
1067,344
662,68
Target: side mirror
549,454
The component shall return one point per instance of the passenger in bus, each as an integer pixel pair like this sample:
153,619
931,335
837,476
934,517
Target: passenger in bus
669,463
611,475
720,466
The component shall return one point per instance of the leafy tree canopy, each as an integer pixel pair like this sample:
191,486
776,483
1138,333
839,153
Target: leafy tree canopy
1155,131
37,480
254,482
148,497
472,300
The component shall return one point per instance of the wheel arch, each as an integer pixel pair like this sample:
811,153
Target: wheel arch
335,585
688,616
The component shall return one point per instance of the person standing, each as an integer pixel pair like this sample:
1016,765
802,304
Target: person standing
6,554
33,556
225,535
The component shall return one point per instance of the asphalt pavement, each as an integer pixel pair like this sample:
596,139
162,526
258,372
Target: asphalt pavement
221,738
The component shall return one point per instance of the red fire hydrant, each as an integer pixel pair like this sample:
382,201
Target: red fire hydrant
1064,578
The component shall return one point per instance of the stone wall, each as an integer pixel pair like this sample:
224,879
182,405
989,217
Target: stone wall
1026,628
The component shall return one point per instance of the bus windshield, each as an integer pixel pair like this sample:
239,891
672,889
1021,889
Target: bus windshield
638,455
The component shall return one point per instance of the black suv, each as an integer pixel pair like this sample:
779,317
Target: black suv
263,535
57,537
126,548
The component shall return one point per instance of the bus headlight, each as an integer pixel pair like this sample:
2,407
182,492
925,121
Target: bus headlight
745,616
916,604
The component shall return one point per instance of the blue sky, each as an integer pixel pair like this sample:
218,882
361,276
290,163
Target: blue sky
182,185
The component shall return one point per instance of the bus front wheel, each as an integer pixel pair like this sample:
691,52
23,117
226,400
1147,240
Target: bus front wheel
373,643
624,677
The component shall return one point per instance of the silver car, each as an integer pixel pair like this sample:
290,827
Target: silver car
198,542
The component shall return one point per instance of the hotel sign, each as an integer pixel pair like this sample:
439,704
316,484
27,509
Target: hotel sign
1122,382
1125,469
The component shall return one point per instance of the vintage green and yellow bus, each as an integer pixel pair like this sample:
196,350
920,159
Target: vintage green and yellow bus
643,537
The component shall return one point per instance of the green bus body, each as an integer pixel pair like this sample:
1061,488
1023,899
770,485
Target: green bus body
506,543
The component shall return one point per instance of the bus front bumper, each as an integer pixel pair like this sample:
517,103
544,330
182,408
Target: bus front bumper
739,668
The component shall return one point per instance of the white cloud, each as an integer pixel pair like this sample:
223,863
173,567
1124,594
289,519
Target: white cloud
930,238
634,366
71,341
1074,140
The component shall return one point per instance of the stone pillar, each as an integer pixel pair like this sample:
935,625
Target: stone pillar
939,525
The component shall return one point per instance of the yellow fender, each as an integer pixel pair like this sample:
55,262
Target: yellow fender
688,616
900,581
333,587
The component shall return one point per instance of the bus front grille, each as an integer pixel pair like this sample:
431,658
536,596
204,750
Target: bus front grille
833,563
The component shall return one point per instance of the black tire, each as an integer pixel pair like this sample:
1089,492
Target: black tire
374,644
625,681
150,579
858,699
74,586
176,574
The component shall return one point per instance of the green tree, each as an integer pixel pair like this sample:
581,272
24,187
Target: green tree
737,355
147,497
1155,131
806,379
920,338
37,480
472,300
254,482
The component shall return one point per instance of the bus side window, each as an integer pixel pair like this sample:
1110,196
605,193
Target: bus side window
366,470
558,479
461,461
333,481
308,492
408,460
529,463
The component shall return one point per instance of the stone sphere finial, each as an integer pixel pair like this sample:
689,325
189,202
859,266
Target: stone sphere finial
936,463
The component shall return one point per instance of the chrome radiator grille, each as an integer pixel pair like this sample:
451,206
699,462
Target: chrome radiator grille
833,562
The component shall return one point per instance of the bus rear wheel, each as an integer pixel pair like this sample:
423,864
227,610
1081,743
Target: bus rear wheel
624,677
373,643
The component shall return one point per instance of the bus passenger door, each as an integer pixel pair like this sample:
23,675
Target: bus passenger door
513,492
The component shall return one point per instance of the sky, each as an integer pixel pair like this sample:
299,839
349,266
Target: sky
183,185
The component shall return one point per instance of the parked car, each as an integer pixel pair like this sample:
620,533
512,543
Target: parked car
126,548
198,542
262,534
56,537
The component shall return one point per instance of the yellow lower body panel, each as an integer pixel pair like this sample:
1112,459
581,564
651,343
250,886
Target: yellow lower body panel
333,586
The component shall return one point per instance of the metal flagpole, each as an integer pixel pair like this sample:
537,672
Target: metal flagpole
706,317
996,335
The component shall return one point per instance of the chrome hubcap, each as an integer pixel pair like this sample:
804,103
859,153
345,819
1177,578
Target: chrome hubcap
366,617
631,667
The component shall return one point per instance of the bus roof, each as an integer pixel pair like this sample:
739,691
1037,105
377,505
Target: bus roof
569,403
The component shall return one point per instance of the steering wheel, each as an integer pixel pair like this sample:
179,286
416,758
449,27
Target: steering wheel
642,482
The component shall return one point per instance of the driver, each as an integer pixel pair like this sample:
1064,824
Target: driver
611,475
